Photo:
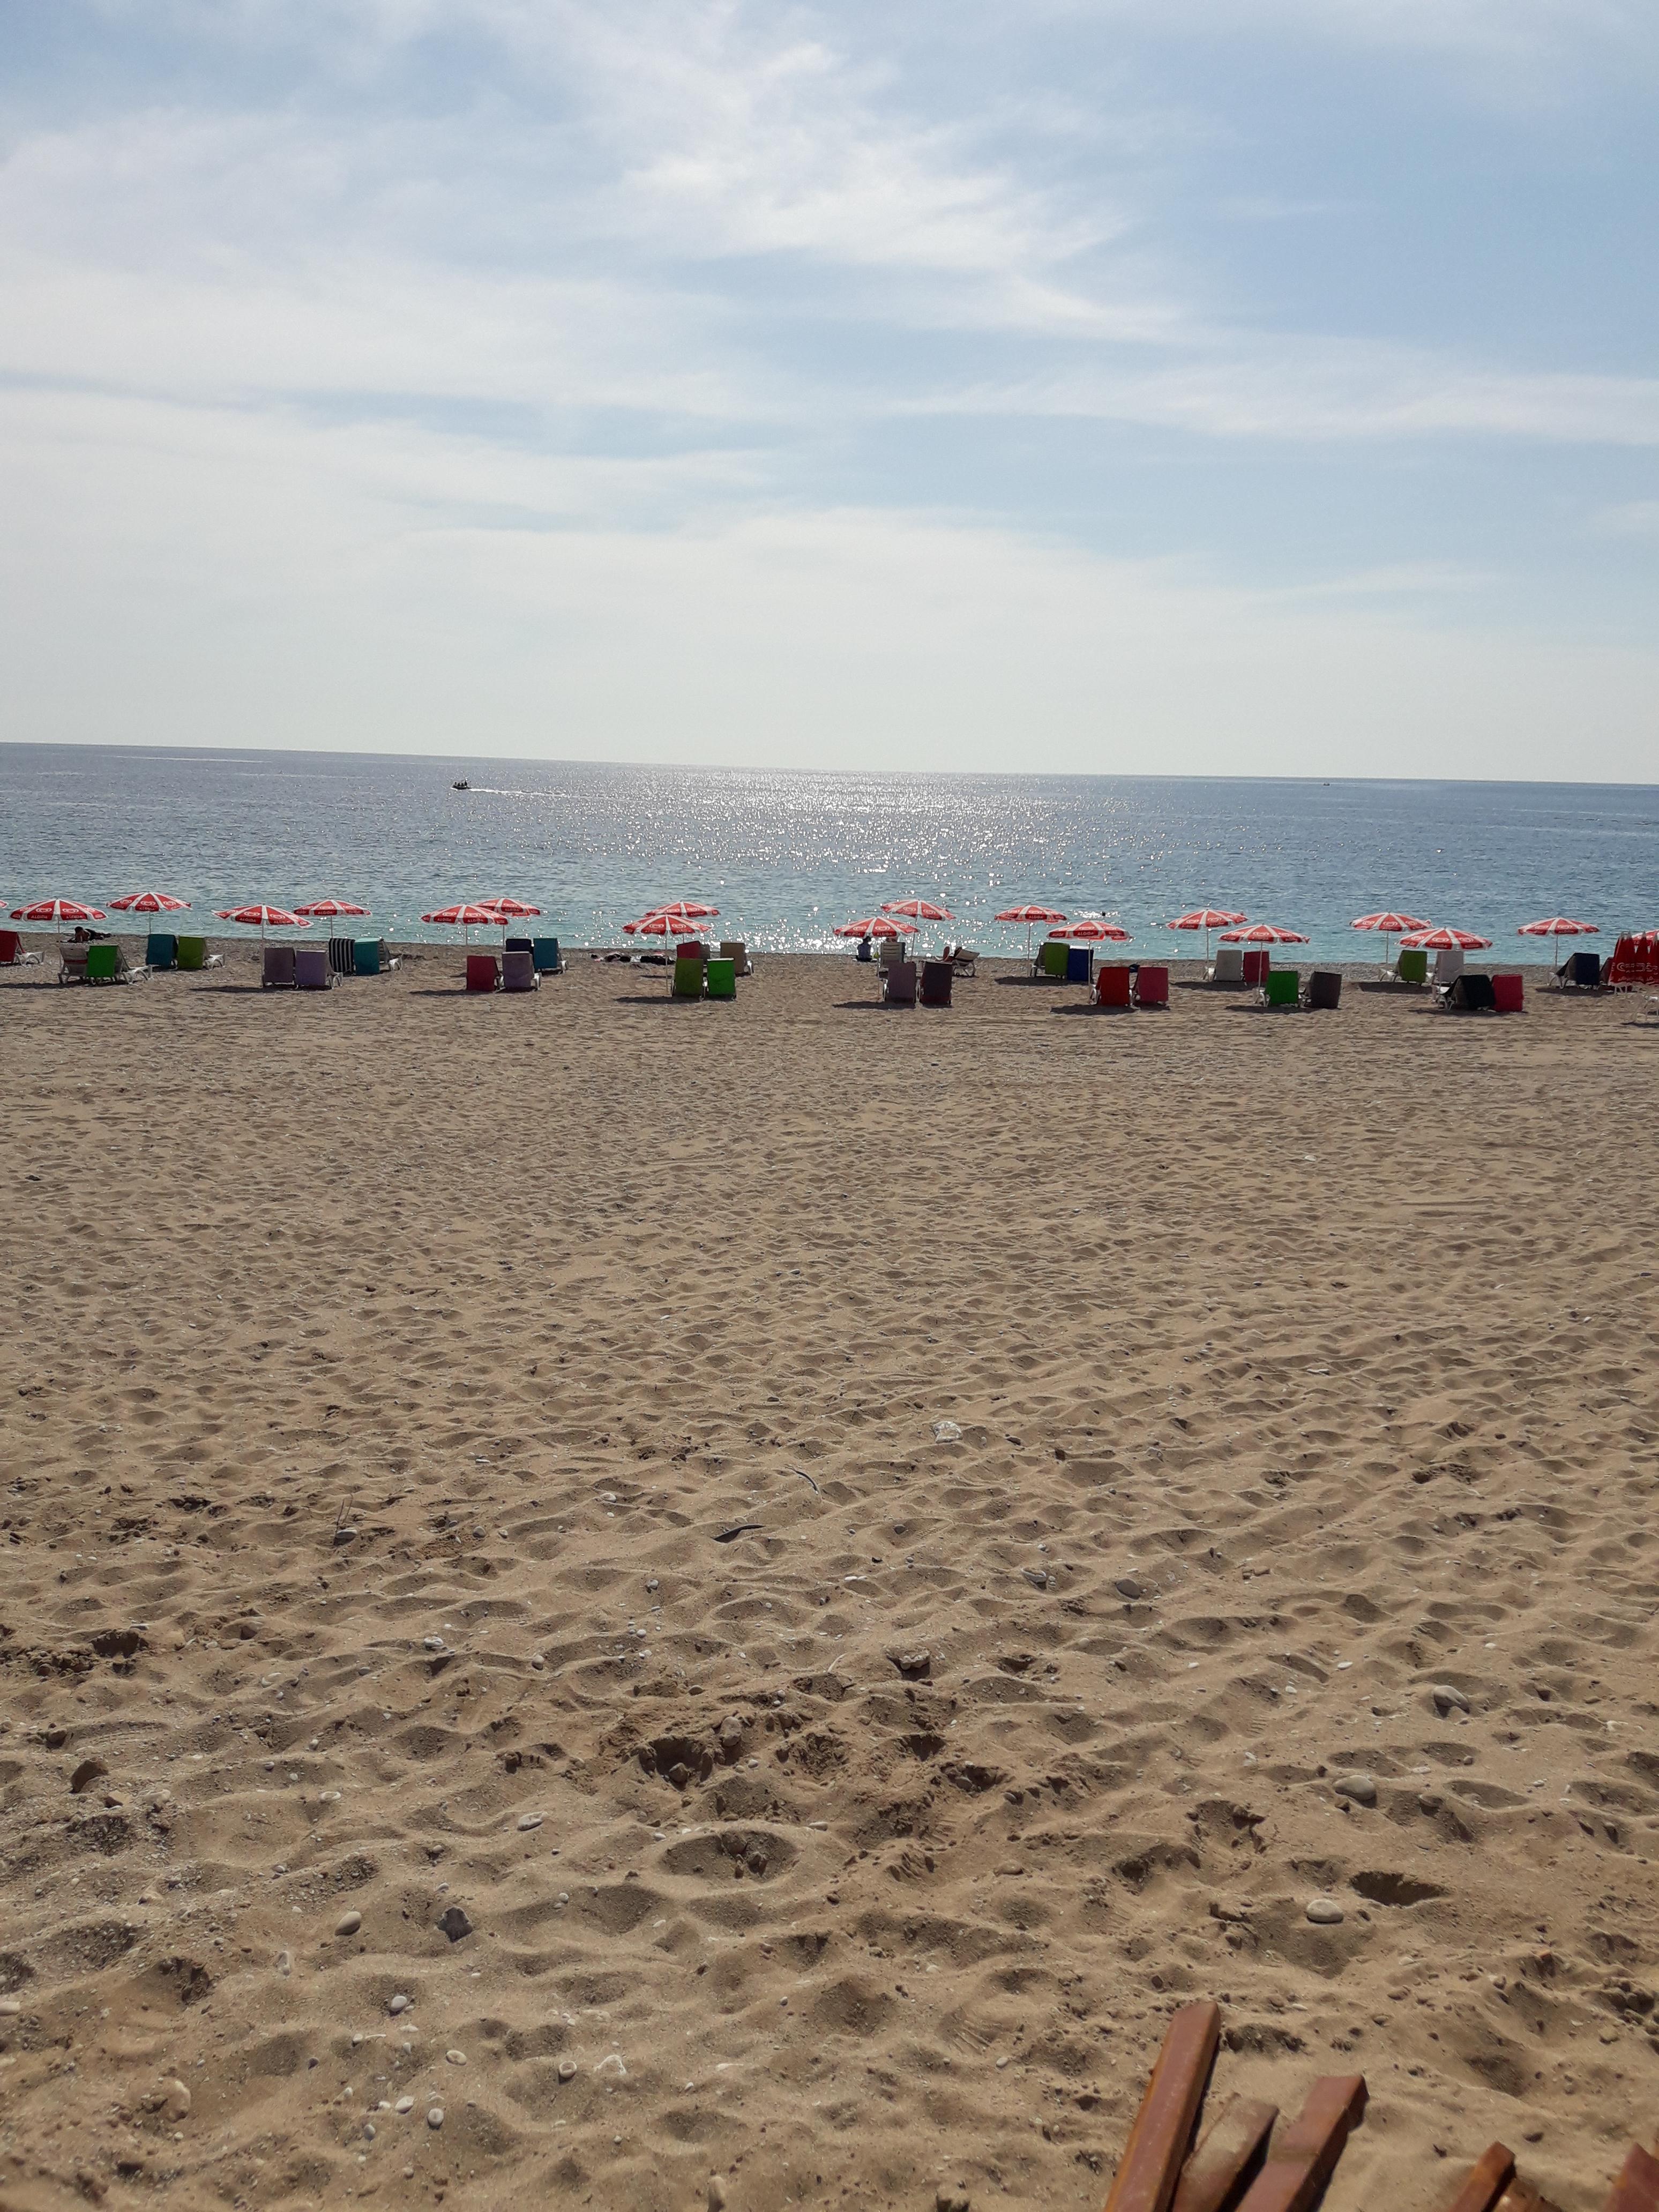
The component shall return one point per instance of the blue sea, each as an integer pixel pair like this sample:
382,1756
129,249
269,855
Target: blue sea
787,855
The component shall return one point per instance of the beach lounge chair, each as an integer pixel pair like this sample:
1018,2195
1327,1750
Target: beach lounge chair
311,971
1229,969
544,950
1507,995
1051,961
1080,964
722,978
1412,966
162,950
1447,965
963,958
888,950
342,955
936,977
1281,987
734,950
1323,990
1113,984
11,945
1471,993
898,985
1580,971
109,963
483,972
192,954
278,971
688,976
518,970
1152,986
72,963
1258,966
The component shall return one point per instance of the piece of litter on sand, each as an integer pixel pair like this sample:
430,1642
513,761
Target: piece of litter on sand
803,1475
726,1535
947,1432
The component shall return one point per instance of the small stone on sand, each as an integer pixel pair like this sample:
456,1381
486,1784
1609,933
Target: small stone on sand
567,2069
1447,1698
435,2118
89,1770
1324,1911
1362,1788
456,2057
175,2099
454,1924
348,1924
399,2003
530,1820
404,2105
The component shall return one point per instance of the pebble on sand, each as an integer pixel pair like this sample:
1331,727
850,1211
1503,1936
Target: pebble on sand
1447,1698
404,2105
1361,1787
530,1820
454,1924
348,1924
175,2099
456,2057
399,2003
1324,1911
89,1770
567,2069
435,2118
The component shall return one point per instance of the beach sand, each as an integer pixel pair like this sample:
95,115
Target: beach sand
387,1373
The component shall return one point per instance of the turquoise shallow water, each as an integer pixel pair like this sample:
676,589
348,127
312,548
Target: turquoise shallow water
786,856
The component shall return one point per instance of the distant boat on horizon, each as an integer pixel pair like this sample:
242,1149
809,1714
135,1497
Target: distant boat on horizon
463,784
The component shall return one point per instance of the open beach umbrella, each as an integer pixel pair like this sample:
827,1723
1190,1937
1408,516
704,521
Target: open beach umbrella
1262,933
58,911
875,925
1093,932
1443,940
1031,915
266,917
662,925
918,909
1389,926
465,914
507,910
1206,918
685,909
147,903
327,909
1557,925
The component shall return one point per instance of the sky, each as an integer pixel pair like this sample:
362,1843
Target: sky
1251,386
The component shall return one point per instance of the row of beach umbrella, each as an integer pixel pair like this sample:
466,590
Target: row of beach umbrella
681,918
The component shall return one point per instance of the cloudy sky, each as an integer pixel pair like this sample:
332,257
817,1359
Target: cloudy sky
1267,385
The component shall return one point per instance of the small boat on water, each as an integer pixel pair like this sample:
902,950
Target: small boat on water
463,784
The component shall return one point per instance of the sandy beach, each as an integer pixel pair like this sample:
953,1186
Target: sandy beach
493,1618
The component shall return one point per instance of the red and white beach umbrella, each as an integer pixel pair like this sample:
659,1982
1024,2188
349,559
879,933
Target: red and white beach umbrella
1389,926
1262,933
685,909
661,924
1032,916
328,909
465,914
1206,918
511,909
1443,940
875,925
1558,925
58,911
1092,932
263,918
919,910
147,903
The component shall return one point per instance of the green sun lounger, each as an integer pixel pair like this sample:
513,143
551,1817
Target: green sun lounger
1413,965
688,979
1281,988
722,978
193,953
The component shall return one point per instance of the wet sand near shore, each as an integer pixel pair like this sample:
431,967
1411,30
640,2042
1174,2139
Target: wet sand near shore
761,1591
